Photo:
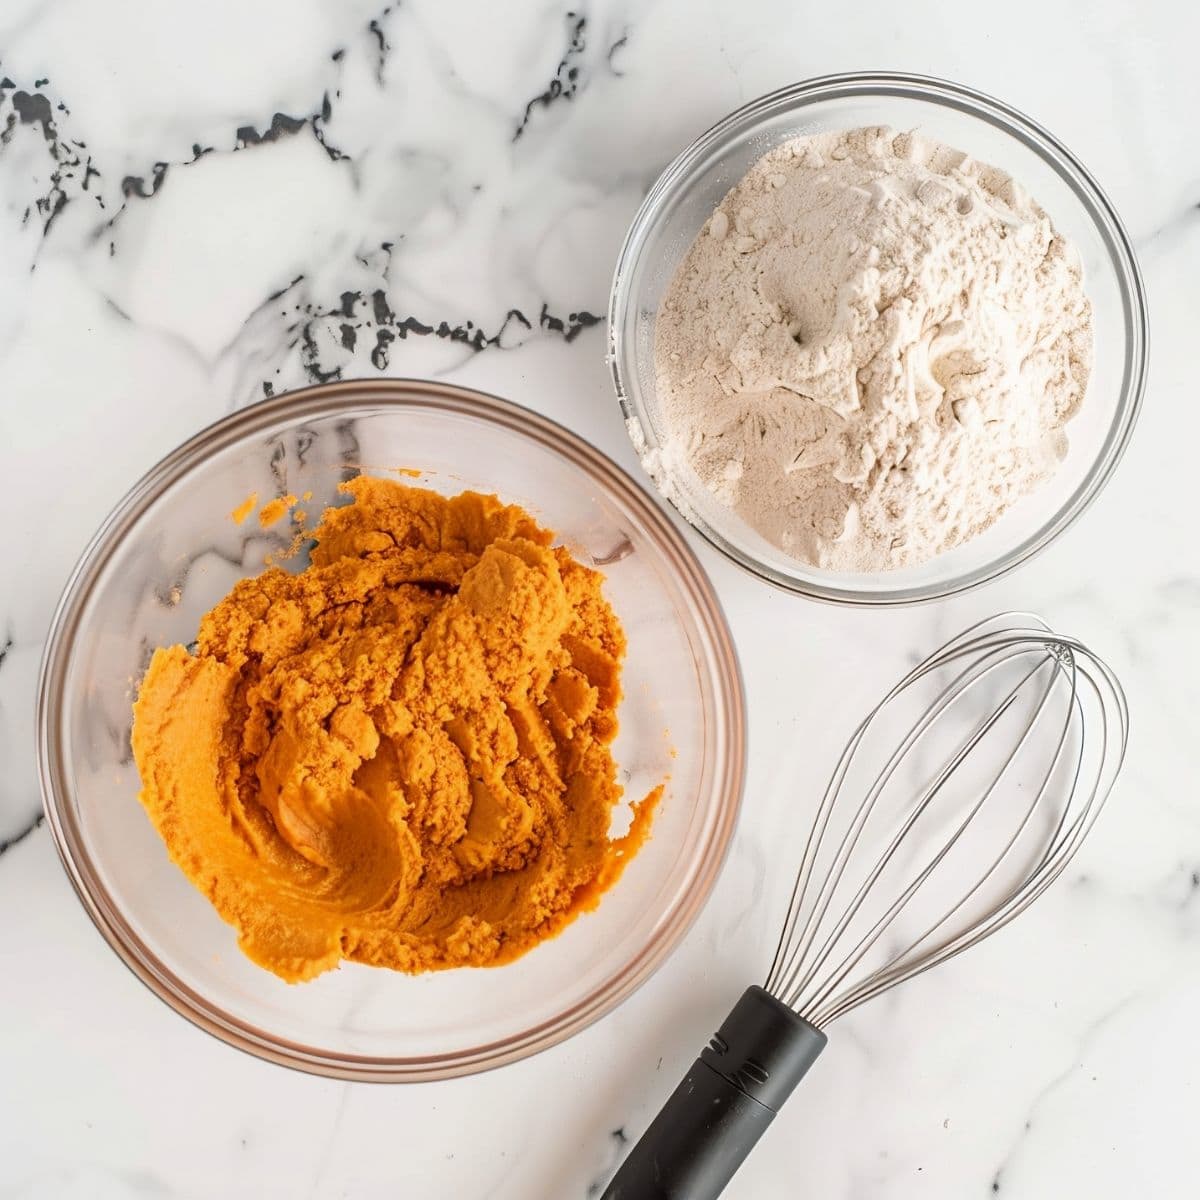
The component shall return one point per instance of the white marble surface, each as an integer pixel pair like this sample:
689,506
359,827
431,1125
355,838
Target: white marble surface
163,260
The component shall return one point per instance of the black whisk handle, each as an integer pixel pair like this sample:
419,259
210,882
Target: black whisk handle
729,1096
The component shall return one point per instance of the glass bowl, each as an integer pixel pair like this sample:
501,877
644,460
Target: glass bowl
693,185
169,551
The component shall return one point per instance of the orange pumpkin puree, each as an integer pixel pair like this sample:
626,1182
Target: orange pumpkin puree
400,755
244,509
274,509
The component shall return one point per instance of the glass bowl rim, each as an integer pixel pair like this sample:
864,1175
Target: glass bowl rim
288,410
930,89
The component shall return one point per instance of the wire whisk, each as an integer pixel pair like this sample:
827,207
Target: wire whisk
958,800
1021,676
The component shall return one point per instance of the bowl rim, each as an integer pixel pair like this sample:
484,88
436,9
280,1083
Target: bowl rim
288,410
1035,137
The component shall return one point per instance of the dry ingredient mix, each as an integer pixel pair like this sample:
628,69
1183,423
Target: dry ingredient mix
400,755
871,349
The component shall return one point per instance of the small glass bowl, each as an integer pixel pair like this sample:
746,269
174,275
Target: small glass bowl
169,551
693,185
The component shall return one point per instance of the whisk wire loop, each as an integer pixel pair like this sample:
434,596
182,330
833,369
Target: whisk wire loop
869,940
1011,676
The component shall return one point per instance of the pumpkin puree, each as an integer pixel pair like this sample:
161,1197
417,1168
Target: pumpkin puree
401,754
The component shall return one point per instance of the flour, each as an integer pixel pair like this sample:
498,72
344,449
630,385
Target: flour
871,349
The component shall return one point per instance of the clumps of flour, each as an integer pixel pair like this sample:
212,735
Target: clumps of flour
871,349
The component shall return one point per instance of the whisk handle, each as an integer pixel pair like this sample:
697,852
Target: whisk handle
723,1106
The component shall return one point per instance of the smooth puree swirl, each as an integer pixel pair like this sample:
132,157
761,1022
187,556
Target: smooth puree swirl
401,754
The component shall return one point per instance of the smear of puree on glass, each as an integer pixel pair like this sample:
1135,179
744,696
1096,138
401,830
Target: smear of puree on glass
400,755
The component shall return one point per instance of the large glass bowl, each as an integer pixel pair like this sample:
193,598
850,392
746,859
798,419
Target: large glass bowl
169,551
694,184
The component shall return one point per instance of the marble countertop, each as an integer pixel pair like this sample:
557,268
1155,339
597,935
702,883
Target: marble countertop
201,204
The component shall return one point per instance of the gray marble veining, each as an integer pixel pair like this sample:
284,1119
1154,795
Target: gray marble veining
202,205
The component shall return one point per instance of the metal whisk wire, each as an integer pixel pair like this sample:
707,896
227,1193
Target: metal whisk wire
997,752
1046,680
